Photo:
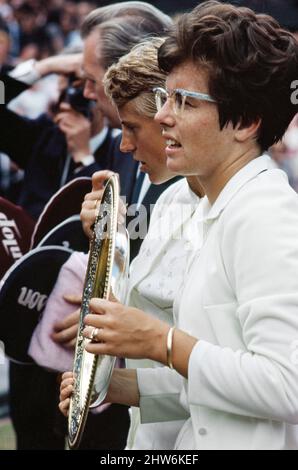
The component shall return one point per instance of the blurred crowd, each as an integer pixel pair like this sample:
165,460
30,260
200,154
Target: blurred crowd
38,28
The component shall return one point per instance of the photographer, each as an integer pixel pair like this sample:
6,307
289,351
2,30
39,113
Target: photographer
52,151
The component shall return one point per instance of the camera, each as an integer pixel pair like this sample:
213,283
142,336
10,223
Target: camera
73,95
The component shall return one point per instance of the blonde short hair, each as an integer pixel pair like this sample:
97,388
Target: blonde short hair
134,76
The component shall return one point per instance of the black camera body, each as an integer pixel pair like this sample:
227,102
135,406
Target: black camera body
74,96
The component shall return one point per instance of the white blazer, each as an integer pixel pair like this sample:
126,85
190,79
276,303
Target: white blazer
155,276
240,299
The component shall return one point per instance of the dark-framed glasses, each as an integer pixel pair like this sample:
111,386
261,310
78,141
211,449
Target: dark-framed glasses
178,97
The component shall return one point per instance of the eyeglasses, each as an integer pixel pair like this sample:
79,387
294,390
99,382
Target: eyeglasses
178,95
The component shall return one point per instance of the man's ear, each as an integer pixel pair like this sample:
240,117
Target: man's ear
243,133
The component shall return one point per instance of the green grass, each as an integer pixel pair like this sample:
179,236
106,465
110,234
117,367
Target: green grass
7,437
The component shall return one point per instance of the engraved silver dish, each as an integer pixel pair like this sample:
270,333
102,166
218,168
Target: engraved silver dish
107,272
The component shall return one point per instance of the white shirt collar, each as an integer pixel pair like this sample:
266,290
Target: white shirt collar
97,140
248,172
144,189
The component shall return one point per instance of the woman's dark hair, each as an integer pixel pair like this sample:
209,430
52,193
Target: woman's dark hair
251,63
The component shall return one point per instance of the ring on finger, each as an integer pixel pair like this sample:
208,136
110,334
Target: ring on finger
93,335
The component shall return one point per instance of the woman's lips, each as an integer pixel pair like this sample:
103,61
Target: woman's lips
171,151
172,146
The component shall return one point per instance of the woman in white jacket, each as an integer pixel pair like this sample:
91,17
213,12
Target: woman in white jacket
234,348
